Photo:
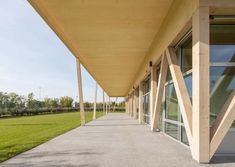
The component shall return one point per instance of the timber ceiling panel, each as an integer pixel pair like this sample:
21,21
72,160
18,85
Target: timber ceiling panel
110,37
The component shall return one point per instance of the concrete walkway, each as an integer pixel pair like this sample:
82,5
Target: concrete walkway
114,140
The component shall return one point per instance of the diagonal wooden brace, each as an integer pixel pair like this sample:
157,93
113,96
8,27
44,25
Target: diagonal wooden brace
222,123
181,92
159,94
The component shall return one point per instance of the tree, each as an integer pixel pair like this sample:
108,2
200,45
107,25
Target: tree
77,104
15,101
34,104
121,104
87,105
66,101
4,100
51,103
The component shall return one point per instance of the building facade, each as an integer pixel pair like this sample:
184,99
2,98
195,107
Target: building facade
198,68
172,60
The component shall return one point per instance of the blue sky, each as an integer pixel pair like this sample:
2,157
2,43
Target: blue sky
32,56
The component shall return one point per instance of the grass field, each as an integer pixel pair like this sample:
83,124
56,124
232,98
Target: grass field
23,133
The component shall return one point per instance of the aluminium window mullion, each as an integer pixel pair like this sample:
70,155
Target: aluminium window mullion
222,64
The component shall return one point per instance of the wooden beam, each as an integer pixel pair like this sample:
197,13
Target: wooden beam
79,76
222,123
201,85
181,92
217,3
95,99
159,94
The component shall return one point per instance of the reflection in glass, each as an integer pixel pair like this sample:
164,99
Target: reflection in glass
222,35
188,83
146,115
172,130
222,80
146,109
146,86
222,83
161,116
222,53
186,53
171,103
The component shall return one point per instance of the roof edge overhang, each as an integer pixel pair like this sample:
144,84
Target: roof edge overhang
48,18
177,19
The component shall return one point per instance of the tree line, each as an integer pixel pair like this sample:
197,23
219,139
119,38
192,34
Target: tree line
12,104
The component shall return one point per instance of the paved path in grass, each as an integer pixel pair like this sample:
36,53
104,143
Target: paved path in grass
114,140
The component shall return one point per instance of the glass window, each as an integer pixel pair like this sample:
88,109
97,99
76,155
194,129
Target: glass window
146,104
222,53
171,103
168,75
172,130
184,138
222,78
186,53
161,115
146,86
222,34
222,83
188,83
172,110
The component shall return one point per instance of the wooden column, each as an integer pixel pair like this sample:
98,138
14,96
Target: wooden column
126,105
200,85
106,105
141,102
110,105
132,105
95,99
103,102
129,103
114,107
135,104
153,91
79,76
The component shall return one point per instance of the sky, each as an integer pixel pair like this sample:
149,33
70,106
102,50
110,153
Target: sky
33,59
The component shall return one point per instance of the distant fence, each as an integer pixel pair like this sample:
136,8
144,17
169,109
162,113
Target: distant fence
40,111
37,111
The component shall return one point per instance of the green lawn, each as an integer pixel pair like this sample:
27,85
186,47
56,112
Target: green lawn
23,133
